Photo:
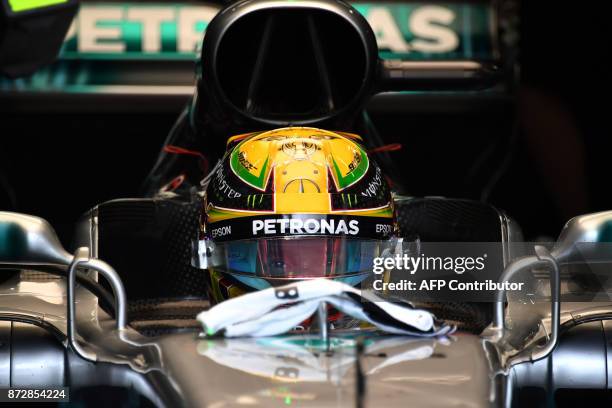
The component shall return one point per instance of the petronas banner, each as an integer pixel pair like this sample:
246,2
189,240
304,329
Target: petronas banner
171,31
119,44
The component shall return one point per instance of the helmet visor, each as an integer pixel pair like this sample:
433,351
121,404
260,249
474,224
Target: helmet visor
297,258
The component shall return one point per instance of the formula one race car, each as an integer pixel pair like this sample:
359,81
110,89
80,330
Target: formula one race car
246,272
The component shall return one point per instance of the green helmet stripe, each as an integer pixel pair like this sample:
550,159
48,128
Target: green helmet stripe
256,181
352,176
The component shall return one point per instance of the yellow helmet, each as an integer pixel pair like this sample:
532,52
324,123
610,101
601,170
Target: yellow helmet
293,203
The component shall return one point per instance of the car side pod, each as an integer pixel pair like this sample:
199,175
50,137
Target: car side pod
30,242
585,239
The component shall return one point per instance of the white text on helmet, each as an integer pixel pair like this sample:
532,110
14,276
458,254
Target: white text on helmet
305,226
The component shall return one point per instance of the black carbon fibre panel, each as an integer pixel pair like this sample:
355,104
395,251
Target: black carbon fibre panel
452,220
149,242
449,220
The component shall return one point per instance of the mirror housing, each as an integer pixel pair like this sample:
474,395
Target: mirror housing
581,239
26,240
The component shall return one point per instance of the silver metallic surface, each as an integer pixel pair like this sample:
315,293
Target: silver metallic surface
579,362
33,242
511,234
82,260
86,233
607,327
515,267
37,358
30,356
172,369
180,369
585,229
555,289
5,353
398,371
81,255
45,304
539,352
323,323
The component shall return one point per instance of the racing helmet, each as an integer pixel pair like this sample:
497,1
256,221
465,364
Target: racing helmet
292,204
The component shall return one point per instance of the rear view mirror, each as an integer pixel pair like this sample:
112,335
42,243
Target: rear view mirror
584,238
29,241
